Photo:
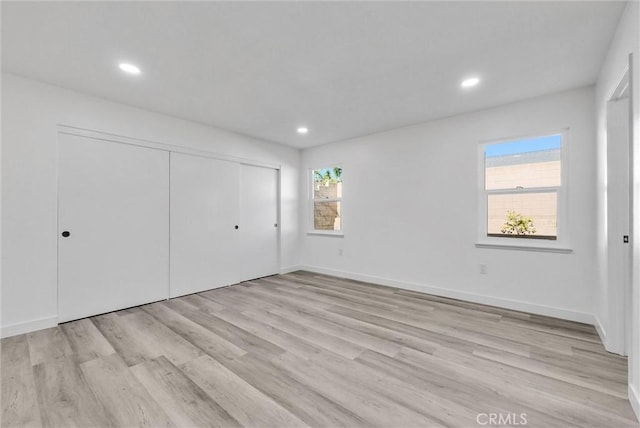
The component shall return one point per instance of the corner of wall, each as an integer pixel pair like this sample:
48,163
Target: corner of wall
634,399
602,332
290,269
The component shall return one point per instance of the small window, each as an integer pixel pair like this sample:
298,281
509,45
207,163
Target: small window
326,199
522,188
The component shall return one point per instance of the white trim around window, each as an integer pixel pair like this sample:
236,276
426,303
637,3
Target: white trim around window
558,245
311,230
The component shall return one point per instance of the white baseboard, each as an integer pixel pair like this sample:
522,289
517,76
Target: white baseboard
291,269
634,399
28,326
516,305
42,323
606,342
602,332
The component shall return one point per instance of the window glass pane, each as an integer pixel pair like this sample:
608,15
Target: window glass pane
326,215
523,215
327,183
533,162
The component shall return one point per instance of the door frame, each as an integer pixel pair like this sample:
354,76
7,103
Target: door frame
619,341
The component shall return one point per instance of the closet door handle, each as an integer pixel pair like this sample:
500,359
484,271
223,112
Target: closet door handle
236,227
66,234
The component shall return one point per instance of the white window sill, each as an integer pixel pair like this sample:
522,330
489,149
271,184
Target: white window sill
524,247
326,233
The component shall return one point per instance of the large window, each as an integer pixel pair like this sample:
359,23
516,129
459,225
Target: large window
326,200
522,195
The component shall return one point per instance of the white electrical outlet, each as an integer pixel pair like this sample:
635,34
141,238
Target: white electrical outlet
482,268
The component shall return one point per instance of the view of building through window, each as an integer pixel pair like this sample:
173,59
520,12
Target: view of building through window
327,198
522,180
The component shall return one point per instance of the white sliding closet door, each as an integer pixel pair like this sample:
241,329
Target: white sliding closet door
113,212
259,195
204,216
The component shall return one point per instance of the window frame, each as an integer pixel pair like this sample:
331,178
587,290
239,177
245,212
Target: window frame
561,243
311,230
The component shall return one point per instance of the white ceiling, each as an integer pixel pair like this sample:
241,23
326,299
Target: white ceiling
343,69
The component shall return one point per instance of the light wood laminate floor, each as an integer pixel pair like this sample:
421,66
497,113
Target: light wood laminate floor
310,350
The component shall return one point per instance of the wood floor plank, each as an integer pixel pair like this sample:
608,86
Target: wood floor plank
343,282
385,301
87,343
121,337
484,332
433,408
288,300
202,303
162,340
396,301
596,348
303,400
392,325
249,406
18,390
313,320
65,398
572,332
376,409
385,334
616,389
293,344
182,400
248,300
525,390
583,406
233,299
327,341
457,387
575,363
335,295
315,299
233,334
122,394
194,333
479,333
562,324
460,306
50,344
278,297
614,362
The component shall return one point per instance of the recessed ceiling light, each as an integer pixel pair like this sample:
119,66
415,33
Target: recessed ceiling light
303,130
129,68
467,83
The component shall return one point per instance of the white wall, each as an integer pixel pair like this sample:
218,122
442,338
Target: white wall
31,112
410,210
626,41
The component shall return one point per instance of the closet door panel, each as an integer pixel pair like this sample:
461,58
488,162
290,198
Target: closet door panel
259,196
113,231
204,215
